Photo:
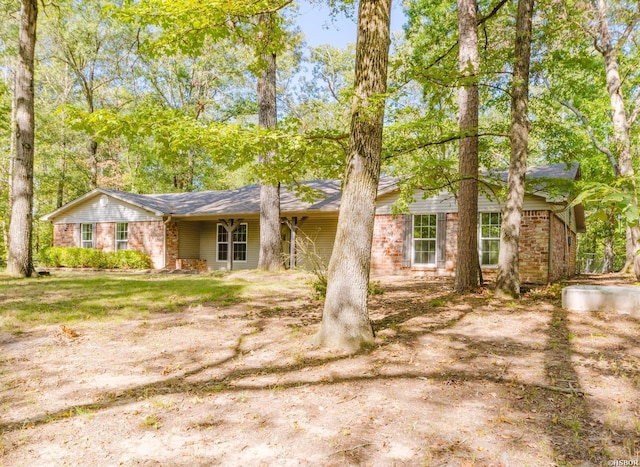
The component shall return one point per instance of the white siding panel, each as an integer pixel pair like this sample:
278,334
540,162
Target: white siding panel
92,211
446,202
189,240
322,232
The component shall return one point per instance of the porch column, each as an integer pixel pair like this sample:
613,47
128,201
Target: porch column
294,224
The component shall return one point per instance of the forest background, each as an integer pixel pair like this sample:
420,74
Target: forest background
130,96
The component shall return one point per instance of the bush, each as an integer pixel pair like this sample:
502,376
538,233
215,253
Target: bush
90,258
131,259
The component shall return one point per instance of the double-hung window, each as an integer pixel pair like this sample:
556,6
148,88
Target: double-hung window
490,238
239,243
424,239
122,236
86,235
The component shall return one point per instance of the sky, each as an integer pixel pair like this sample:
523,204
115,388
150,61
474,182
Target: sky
319,28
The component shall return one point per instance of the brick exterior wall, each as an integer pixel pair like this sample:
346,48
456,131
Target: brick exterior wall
386,251
563,257
65,235
172,241
199,265
105,236
147,236
386,254
534,247
451,249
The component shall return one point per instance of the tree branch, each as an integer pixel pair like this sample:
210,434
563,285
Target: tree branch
600,147
448,139
481,21
492,13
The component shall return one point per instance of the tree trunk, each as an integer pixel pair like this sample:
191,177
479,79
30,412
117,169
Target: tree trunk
270,257
345,321
620,124
468,264
20,261
93,164
607,265
508,279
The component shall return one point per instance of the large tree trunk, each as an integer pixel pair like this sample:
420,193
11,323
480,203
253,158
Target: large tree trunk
270,257
468,264
20,261
508,279
345,321
620,124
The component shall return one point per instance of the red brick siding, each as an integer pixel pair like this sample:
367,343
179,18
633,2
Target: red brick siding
563,258
534,247
105,236
386,251
147,236
386,254
451,249
199,265
172,241
65,235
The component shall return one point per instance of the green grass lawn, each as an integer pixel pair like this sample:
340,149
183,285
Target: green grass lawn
63,298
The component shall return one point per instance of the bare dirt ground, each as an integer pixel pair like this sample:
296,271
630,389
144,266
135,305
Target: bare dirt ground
452,380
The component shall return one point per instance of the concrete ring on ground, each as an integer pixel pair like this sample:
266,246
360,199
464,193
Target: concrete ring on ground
623,299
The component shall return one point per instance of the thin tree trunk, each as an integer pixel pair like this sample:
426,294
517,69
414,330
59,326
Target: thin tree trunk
20,261
345,321
270,257
468,264
607,265
620,123
93,164
508,279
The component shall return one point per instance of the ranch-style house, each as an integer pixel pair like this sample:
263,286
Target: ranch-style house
216,230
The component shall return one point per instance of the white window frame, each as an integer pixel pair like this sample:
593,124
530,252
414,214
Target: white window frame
87,243
482,238
124,241
433,239
244,242
218,242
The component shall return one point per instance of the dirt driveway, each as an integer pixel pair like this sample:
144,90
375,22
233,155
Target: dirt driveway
452,380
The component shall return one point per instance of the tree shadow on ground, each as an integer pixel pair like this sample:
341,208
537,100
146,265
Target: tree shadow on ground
559,406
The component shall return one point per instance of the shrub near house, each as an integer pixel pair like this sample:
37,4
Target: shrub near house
90,258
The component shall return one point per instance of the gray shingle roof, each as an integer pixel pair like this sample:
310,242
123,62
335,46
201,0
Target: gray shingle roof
316,195
549,181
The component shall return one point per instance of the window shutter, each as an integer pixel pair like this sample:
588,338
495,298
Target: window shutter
79,235
407,237
441,240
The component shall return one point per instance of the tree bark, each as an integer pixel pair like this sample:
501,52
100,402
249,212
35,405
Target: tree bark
20,262
345,321
468,264
270,257
93,164
508,279
620,122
